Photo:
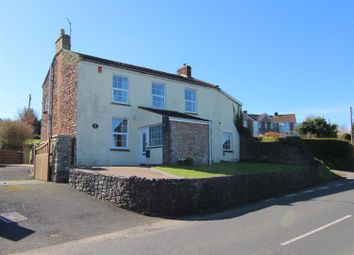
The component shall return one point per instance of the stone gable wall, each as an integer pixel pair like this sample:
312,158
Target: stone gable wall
64,111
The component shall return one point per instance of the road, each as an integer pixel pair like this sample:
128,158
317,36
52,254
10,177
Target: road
15,172
318,220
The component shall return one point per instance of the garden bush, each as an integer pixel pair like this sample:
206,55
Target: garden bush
335,153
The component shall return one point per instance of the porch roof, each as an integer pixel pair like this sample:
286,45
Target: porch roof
171,113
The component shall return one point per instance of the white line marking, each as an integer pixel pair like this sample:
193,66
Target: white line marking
351,182
290,195
339,184
325,187
309,191
268,200
315,230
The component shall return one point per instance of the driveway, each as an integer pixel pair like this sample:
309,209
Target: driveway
16,172
50,213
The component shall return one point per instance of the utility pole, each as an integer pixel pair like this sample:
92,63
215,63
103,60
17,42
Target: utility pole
29,101
351,125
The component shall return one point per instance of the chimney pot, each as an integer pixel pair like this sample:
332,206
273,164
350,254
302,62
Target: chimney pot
63,42
185,71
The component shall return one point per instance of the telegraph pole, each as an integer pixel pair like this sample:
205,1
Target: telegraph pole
351,125
29,101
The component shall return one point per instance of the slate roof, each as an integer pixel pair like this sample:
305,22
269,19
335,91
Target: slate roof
171,113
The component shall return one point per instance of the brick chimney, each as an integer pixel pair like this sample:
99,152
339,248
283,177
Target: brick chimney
63,42
185,71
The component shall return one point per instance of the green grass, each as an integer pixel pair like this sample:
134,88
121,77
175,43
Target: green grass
32,141
269,139
223,169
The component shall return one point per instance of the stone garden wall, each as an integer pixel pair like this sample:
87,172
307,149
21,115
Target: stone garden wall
177,197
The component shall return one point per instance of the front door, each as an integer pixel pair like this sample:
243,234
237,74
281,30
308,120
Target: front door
144,136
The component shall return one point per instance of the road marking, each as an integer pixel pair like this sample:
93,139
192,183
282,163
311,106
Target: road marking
325,187
315,230
339,184
309,191
291,195
351,182
269,200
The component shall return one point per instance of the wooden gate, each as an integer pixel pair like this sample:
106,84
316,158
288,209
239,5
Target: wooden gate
41,165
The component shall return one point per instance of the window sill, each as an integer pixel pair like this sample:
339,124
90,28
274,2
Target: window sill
120,104
191,113
118,149
227,151
154,147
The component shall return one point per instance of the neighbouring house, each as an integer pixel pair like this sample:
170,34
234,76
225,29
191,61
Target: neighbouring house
123,114
259,124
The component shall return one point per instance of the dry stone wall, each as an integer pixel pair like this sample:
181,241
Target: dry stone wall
177,197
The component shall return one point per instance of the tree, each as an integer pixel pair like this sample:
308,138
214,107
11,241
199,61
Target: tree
238,122
318,127
29,117
13,134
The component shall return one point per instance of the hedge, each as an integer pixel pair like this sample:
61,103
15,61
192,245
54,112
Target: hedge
337,154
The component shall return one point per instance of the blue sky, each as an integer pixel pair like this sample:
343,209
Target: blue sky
272,55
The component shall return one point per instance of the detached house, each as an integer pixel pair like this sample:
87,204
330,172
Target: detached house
259,124
122,114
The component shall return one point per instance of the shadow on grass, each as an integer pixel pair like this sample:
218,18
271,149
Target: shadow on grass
13,231
281,200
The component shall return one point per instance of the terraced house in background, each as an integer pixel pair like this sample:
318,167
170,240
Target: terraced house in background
122,114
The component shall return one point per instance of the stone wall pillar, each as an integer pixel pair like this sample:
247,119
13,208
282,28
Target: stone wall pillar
61,158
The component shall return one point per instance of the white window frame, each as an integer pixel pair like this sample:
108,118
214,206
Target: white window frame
160,96
190,101
120,89
155,145
230,134
120,133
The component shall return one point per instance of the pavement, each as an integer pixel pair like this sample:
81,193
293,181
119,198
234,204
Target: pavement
16,172
318,220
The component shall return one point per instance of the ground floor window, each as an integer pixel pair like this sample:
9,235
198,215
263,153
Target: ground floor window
227,141
120,133
155,136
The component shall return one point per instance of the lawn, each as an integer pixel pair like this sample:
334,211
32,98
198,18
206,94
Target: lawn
223,169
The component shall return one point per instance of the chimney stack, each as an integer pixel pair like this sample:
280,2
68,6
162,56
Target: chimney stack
245,112
185,71
63,42
276,113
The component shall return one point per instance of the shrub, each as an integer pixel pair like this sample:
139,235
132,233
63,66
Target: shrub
345,136
317,127
335,153
187,161
13,134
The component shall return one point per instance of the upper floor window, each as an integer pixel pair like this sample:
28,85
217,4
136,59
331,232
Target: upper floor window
227,141
190,98
120,89
155,136
120,133
158,95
